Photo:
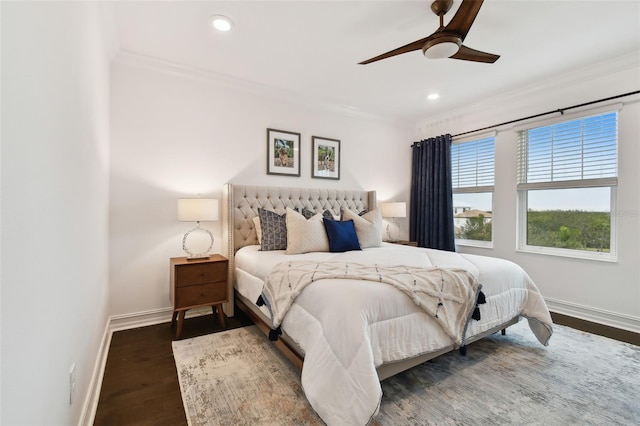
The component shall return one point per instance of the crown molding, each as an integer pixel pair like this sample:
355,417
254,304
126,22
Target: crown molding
130,58
510,100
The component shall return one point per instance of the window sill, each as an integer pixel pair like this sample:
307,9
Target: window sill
574,254
474,243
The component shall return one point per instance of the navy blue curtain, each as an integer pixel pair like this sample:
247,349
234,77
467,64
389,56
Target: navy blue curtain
431,214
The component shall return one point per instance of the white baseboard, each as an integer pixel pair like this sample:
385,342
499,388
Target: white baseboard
599,316
153,317
119,323
140,319
93,395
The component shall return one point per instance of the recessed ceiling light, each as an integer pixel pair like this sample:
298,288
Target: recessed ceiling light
433,96
221,23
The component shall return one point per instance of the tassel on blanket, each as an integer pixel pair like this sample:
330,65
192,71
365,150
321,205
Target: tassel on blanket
273,334
476,314
481,300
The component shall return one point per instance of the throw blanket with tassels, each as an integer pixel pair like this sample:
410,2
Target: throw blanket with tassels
450,296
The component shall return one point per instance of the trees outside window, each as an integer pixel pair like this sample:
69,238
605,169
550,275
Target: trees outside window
567,177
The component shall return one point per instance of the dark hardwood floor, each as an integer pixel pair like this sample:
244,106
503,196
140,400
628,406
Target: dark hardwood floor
140,383
599,329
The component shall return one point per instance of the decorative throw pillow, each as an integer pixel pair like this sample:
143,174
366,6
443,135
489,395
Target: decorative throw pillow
309,213
306,213
368,227
274,230
328,215
256,225
342,235
305,235
360,213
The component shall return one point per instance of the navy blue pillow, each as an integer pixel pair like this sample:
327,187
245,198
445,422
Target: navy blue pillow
342,235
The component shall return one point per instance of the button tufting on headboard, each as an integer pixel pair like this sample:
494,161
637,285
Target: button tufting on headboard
244,201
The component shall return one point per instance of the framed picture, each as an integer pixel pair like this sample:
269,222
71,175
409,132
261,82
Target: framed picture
283,153
326,158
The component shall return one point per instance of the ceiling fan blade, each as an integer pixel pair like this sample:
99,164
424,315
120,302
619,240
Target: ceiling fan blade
464,17
467,54
416,45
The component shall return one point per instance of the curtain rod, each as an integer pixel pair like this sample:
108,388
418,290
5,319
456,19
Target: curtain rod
560,110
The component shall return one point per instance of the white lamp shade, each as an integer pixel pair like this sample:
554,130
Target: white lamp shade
393,209
197,209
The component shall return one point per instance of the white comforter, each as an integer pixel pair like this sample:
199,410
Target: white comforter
347,328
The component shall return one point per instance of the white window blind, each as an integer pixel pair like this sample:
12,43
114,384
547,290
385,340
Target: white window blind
473,165
577,153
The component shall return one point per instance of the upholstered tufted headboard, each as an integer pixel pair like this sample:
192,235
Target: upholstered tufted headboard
240,205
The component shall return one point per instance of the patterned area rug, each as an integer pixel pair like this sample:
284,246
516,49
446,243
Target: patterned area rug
237,377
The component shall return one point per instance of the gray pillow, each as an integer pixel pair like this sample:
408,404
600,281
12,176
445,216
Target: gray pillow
361,213
274,230
328,215
308,214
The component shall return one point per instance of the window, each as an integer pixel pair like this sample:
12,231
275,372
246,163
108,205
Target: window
473,170
567,175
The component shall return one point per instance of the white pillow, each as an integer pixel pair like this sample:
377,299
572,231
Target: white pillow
256,225
305,235
368,227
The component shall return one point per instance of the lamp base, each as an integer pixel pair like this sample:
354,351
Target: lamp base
198,257
389,237
201,254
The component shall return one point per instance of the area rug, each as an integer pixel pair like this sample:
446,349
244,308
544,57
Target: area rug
237,377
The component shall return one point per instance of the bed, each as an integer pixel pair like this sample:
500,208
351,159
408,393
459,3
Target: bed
348,334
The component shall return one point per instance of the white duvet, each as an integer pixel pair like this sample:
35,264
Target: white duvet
347,328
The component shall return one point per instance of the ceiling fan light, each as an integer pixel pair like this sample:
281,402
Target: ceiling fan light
440,48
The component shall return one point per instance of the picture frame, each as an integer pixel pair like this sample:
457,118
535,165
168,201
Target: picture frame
325,158
283,153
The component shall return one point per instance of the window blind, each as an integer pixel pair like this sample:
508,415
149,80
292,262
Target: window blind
577,153
473,165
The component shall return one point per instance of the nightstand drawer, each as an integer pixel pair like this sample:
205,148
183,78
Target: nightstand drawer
205,294
200,273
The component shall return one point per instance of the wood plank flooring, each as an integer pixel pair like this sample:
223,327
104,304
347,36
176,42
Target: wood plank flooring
140,383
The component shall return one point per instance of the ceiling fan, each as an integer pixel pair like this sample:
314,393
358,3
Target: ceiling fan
446,41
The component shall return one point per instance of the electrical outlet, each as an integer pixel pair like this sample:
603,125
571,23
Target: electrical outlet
72,382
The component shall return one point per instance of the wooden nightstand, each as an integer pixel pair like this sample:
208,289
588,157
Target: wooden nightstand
196,283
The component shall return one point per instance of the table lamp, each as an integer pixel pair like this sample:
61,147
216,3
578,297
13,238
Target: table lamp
197,210
393,210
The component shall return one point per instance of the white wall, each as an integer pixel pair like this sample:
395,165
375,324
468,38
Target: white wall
55,136
599,291
179,132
